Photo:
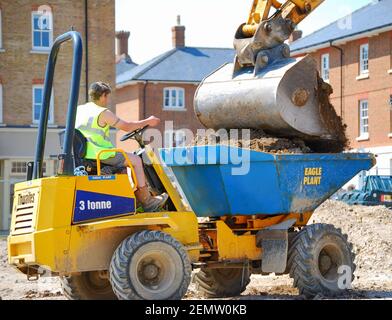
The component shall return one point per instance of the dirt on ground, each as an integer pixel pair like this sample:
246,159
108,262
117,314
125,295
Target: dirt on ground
368,228
15,286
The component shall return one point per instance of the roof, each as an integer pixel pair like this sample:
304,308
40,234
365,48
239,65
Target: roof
369,18
124,65
187,64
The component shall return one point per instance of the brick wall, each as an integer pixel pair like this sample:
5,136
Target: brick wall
20,69
182,119
130,106
377,88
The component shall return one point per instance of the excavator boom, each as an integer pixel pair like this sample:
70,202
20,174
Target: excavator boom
295,10
264,30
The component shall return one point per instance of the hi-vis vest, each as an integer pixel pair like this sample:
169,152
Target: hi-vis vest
97,137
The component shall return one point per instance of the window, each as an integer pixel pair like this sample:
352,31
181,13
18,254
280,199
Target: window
1,103
364,59
174,98
42,30
38,99
325,67
364,118
20,167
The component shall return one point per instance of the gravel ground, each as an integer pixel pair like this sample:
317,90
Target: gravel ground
369,229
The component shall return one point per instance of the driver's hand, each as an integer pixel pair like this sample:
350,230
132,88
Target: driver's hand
153,121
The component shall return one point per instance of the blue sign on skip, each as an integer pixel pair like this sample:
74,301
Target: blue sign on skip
101,178
92,206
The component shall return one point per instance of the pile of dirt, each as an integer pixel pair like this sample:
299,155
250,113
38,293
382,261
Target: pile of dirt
332,122
258,140
370,231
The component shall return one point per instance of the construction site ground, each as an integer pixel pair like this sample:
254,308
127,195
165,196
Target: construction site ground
369,229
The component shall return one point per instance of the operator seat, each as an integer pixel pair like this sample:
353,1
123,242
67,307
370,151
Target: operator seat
79,152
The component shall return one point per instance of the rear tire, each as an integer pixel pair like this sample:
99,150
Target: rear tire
87,286
150,265
315,256
223,282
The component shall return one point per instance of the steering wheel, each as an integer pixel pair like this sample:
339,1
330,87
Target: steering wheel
134,134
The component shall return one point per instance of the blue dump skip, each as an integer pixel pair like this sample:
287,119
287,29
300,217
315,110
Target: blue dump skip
221,180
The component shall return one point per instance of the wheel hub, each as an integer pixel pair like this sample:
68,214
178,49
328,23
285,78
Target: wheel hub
330,259
325,263
150,271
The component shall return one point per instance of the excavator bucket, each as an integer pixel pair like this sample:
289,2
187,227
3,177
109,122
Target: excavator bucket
285,98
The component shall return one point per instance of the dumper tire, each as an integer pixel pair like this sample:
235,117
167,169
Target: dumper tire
150,265
315,255
222,282
87,286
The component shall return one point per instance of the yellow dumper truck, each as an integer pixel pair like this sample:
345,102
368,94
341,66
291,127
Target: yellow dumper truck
85,225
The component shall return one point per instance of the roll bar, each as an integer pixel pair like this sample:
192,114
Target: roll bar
68,169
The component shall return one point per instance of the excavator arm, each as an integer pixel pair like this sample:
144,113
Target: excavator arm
264,30
295,10
265,88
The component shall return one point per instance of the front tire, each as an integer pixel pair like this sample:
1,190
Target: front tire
315,258
87,286
150,265
222,282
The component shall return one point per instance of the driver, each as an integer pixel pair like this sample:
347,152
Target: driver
94,120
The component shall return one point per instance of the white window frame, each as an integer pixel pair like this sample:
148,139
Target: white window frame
1,103
325,67
364,61
174,106
41,48
23,166
51,112
19,164
364,119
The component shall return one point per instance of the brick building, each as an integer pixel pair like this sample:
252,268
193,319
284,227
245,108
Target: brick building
355,55
27,30
166,85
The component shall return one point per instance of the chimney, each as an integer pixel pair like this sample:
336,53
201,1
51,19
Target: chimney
297,34
122,38
178,34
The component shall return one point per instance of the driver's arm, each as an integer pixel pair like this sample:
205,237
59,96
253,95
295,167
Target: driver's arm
109,118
